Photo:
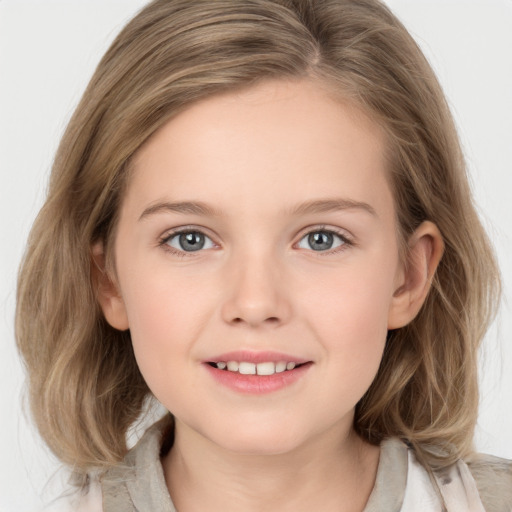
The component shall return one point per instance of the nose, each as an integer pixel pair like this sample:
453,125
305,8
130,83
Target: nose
257,294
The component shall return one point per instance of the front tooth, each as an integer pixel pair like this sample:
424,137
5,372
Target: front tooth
232,366
290,366
221,365
280,367
266,368
247,368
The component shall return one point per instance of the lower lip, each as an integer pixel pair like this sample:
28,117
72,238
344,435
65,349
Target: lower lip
257,384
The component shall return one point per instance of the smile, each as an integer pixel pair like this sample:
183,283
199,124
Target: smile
257,373
247,368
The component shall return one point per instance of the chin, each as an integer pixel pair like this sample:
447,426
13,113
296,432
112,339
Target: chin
257,439
260,446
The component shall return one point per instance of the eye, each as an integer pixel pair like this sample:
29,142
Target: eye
189,241
322,240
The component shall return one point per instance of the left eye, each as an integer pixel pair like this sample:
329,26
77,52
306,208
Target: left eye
189,241
321,241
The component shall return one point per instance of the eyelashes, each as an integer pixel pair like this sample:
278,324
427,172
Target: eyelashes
322,240
189,241
186,241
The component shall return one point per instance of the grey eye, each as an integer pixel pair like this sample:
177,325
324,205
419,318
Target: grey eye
190,241
321,241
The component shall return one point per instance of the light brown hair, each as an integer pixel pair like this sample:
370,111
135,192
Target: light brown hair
85,387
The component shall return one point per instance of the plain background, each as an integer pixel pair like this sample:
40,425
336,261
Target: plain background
48,51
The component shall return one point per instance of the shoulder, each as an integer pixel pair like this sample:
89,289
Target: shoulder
493,477
138,482
89,500
481,483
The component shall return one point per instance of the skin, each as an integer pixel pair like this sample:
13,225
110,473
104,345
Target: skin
254,157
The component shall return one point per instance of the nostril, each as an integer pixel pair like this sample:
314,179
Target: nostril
269,320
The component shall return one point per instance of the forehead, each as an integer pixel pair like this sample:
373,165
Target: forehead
277,142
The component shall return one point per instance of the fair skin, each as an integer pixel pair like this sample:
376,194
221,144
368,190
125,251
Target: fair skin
288,204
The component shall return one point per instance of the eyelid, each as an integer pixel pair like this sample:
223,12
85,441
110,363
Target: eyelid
343,234
173,232
186,229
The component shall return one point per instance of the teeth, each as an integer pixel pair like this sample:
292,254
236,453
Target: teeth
232,366
245,368
280,367
266,368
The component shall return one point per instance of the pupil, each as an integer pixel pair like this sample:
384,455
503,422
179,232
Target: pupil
320,241
191,241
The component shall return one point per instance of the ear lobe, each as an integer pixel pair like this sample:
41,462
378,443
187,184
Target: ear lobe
107,291
425,249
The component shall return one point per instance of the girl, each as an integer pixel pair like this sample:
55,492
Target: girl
259,216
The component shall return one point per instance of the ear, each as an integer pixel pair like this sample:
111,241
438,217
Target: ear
107,291
425,249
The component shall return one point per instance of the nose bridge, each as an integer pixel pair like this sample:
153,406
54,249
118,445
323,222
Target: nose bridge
257,292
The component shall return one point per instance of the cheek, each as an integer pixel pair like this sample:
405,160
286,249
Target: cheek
350,318
163,319
353,302
169,311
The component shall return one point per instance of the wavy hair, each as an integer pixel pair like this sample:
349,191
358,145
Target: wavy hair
85,388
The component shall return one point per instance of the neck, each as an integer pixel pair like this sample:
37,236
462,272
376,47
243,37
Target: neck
336,471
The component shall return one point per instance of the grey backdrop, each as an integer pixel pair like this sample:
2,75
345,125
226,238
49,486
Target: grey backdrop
48,50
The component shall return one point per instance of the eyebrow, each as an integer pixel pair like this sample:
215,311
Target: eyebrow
185,207
309,207
333,205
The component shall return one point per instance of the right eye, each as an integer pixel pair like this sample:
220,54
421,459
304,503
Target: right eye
188,241
323,240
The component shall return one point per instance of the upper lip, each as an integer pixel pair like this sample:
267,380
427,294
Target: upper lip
256,357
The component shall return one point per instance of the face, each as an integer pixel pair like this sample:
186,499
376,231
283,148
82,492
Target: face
258,230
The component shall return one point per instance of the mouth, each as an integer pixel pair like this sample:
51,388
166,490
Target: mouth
257,372
263,368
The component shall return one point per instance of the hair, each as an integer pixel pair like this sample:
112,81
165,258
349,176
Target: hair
85,388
